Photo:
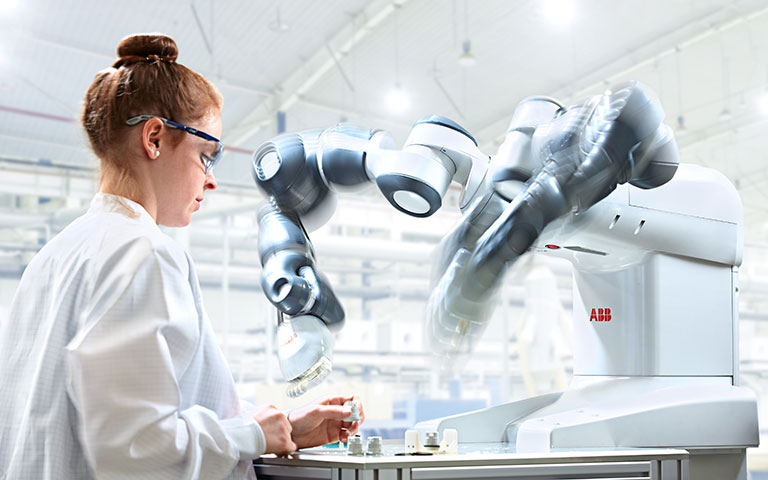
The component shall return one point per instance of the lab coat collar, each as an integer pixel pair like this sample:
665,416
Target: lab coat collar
108,203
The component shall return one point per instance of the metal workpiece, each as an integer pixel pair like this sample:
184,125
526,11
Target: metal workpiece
479,461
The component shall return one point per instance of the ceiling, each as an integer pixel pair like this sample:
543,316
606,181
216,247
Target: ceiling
325,62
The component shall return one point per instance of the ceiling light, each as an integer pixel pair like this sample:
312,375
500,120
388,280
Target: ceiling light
559,12
7,6
398,100
762,102
276,25
466,59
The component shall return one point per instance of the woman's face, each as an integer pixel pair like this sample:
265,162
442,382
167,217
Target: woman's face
183,178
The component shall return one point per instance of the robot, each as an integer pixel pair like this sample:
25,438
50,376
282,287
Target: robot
553,161
655,247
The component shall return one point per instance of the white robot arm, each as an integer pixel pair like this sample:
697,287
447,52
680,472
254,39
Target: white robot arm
300,174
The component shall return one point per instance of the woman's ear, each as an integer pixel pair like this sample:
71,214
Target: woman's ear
151,137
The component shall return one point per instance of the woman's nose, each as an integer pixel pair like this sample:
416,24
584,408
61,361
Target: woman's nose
210,181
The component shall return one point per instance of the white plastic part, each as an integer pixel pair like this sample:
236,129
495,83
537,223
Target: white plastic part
355,445
450,443
374,446
412,441
355,415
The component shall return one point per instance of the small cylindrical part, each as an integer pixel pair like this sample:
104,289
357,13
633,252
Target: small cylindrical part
355,445
355,415
374,445
432,440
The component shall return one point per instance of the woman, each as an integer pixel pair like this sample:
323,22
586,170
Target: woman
109,365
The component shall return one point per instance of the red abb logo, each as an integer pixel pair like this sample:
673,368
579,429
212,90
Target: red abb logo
600,315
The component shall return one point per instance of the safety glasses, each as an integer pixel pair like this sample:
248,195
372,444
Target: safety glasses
208,161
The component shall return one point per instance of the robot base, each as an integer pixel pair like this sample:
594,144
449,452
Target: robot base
708,416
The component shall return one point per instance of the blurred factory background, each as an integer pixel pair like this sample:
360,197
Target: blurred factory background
292,65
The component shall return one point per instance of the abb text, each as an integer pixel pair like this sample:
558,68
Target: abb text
600,315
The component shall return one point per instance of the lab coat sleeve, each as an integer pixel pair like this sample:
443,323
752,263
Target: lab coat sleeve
137,336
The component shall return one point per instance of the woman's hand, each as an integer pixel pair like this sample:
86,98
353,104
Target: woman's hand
277,431
321,422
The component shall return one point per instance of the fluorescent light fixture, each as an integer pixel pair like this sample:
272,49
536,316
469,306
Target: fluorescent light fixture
559,12
398,100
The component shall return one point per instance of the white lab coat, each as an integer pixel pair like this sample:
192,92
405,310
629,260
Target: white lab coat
108,363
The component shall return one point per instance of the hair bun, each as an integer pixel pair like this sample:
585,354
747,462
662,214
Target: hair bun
146,47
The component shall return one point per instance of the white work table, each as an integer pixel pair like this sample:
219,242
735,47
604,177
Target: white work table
478,460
